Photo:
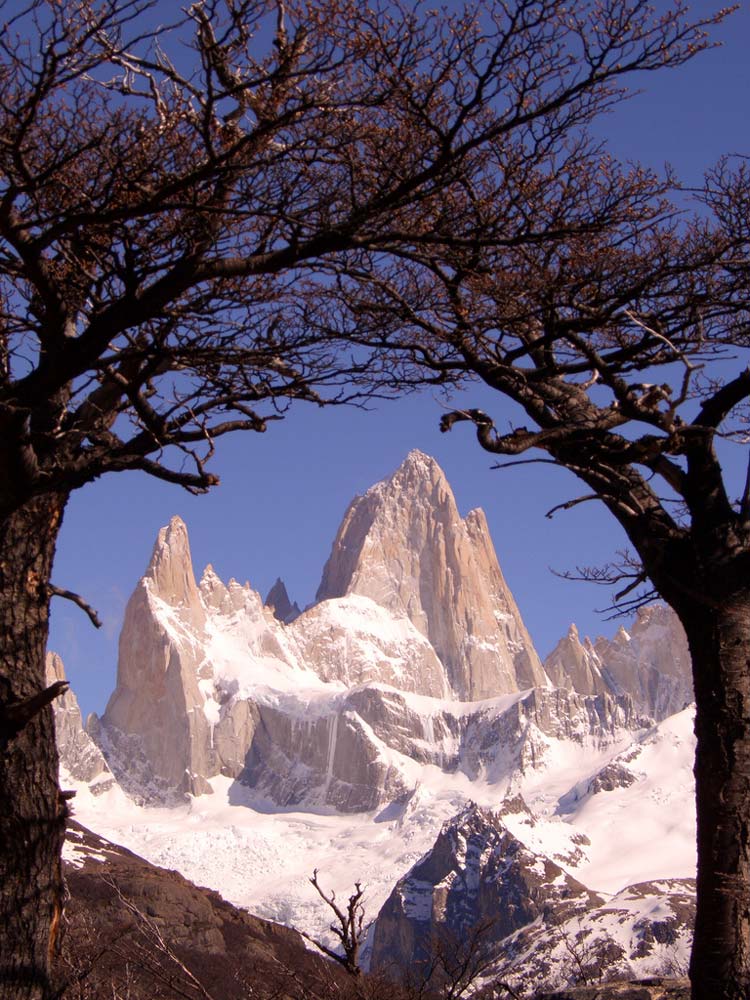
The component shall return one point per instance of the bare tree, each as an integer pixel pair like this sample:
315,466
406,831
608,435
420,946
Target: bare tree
349,926
178,194
460,964
620,338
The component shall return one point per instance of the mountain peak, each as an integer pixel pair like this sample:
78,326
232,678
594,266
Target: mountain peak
279,602
418,462
418,473
405,546
171,567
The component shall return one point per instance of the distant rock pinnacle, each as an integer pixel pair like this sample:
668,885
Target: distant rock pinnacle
171,570
278,601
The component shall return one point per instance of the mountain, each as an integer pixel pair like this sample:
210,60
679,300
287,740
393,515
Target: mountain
404,545
211,680
527,921
650,661
277,599
476,879
82,760
345,737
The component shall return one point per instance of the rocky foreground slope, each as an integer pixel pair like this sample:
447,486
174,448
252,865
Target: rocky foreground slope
247,742
134,930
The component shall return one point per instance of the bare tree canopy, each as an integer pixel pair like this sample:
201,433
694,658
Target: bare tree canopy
193,211
620,328
167,219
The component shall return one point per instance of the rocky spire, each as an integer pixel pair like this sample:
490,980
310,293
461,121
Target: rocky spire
278,601
171,570
404,545
574,665
650,662
79,755
157,698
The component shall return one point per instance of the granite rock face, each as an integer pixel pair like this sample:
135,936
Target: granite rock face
158,696
650,661
404,545
479,896
80,757
477,886
414,654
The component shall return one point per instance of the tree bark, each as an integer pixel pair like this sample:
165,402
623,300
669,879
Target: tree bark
720,648
32,812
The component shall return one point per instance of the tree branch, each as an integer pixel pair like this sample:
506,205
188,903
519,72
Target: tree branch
69,595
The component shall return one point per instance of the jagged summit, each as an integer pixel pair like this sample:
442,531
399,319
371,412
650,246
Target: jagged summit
651,662
171,567
416,469
404,545
82,759
278,600
477,874
213,681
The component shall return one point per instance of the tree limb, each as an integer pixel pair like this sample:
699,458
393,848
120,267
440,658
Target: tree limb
69,595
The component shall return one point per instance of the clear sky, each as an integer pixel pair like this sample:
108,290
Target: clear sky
283,493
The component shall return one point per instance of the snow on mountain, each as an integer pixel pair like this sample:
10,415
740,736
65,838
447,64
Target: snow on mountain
477,875
260,855
252,744
480,889
650,661
209,677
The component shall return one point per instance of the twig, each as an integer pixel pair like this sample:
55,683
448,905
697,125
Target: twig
569,504
689,366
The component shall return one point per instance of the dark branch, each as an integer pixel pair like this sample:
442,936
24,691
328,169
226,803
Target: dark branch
15,715
69,595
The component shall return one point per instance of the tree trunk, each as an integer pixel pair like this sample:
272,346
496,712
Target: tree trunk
720,647
32,813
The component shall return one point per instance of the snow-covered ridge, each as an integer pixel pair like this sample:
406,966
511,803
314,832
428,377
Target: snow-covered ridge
260,855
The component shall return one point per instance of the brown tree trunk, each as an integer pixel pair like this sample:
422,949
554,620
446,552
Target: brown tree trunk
720,648
32,813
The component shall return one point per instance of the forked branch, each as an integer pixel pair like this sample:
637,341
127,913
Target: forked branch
349,927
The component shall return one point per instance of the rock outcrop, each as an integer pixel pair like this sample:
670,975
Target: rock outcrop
404,545
133,929
650,661
278,601
475,888
80,757
481,899
159,670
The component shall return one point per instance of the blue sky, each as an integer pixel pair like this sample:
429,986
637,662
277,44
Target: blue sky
283,493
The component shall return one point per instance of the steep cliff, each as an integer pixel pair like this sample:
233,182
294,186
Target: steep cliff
404,545
649,661
80,757
414,654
